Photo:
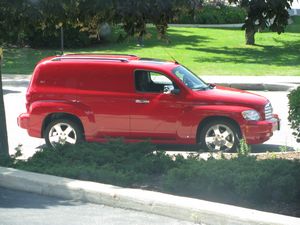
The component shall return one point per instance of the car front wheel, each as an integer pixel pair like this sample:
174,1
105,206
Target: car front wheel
62,131
219,135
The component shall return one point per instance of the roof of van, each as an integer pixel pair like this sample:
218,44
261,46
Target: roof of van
117,58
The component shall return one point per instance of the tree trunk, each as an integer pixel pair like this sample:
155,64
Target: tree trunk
3,132
249,35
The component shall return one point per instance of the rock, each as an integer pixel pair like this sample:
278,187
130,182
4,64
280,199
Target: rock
105,31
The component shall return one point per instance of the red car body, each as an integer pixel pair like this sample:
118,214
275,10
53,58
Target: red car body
99,93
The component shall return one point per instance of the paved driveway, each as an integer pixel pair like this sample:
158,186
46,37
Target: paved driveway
18,208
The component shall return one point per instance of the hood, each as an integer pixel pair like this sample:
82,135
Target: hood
220,95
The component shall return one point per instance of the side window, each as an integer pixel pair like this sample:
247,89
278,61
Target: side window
149,81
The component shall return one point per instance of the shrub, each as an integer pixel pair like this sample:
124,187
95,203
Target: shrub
73,37
242,180
114,162
210,14
294,108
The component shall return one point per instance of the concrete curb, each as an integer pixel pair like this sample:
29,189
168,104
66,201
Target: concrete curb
260,86
20,80
198,211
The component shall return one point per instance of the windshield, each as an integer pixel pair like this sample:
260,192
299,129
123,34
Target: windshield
190,80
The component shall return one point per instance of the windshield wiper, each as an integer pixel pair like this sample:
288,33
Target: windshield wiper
211,86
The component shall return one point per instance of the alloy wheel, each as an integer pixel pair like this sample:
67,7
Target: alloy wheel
219,138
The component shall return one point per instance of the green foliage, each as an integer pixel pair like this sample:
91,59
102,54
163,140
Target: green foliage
263,14
210,14
38,23
242,180
294,109
114,162
244,149
15,16
206,51
294,27
7,160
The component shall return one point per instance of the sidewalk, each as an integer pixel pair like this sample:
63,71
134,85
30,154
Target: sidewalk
257,83
182,208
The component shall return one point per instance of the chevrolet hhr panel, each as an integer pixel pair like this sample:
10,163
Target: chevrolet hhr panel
72,98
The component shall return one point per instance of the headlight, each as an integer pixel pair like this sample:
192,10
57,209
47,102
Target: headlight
251,115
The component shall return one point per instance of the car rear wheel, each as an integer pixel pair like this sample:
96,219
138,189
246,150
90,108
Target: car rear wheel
219,135
62,131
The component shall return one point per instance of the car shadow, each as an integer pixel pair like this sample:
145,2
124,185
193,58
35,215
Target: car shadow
260,148
6,91
26,200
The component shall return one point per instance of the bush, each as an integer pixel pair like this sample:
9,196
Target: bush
215,15
114,162
73,37
243,180
294,109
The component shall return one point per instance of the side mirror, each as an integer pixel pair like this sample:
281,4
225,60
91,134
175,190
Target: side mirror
175,91
169,89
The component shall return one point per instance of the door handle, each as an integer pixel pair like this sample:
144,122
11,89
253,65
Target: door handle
142,101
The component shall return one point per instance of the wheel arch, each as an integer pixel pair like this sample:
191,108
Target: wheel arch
207,120
55,116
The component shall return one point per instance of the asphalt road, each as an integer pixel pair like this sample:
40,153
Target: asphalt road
14,98
23,208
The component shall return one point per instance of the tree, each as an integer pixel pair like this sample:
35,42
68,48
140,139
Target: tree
132,15
37,22
14,19
262,14
3,132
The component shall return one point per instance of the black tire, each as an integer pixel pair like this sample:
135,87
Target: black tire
219,135
62,131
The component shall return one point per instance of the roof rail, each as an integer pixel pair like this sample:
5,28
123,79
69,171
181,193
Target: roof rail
100,54
90,58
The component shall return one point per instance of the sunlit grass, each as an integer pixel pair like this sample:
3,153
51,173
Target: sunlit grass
206,51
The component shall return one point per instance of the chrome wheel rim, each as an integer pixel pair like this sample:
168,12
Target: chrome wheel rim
62,133
219,138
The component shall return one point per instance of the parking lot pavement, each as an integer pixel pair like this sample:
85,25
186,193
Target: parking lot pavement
14,98
282,139
18,208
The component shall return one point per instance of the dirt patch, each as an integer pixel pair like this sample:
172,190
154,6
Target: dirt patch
278,155
260,156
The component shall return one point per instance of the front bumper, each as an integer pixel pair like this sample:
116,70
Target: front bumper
257,132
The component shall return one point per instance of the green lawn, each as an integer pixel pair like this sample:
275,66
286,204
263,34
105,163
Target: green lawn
206,51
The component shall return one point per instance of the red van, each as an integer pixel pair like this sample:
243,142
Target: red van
72,98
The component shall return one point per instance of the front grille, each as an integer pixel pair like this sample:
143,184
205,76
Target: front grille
268,111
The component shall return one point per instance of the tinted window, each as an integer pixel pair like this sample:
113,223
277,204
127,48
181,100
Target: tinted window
149,81
190,80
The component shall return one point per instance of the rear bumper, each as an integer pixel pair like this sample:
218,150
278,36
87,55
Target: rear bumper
23,120
26,121
257,132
